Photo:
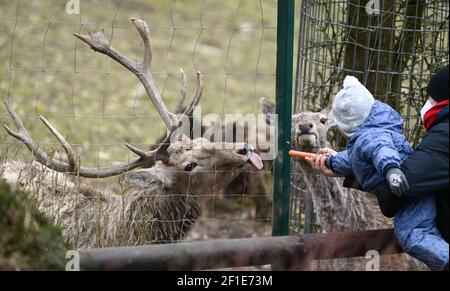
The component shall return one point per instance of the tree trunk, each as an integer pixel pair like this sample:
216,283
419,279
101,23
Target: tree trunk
378,48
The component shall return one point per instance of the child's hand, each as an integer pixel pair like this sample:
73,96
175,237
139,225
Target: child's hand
397,181
319,162
327,151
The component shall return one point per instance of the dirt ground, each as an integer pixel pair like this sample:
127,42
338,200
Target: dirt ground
226,225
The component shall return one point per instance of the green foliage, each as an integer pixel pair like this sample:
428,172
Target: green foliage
28,241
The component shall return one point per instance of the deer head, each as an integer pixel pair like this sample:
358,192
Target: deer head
309,129
178,163
196,167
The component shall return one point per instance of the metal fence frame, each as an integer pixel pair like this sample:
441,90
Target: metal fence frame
282,167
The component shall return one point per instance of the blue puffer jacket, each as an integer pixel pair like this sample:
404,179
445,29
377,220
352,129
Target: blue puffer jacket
377,146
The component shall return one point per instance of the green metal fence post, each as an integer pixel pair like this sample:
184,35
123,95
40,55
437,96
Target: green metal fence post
285,50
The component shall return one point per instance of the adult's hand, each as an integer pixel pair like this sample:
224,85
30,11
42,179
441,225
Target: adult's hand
318,162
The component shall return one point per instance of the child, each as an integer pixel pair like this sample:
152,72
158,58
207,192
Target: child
376,149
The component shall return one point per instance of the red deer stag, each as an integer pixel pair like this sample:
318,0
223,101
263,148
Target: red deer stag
164,197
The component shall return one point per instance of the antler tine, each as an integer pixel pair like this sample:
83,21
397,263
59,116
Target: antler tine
182,97
136,150
62,141
144,31
145,158
99,43
23,135
198,94
159,154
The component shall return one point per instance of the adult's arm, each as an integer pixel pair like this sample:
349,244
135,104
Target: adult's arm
426,169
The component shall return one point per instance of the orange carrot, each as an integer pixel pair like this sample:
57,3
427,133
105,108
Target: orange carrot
301,155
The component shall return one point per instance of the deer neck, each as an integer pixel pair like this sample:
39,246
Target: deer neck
337,208
159,216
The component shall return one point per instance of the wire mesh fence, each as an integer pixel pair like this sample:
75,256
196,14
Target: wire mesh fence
98,105
392,47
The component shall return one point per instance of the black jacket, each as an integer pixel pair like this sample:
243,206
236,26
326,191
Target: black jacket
427,172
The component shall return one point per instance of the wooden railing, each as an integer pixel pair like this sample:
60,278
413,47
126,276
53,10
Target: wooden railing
286,252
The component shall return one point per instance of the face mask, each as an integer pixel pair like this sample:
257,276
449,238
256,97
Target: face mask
426,108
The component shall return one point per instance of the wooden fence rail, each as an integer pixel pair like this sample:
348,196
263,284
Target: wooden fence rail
291,252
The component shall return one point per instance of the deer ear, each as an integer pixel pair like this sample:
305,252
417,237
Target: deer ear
327,109
157,176
268,109
327,112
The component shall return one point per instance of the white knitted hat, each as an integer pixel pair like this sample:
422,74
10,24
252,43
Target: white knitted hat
351,106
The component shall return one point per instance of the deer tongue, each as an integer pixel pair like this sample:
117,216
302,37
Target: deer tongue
256,161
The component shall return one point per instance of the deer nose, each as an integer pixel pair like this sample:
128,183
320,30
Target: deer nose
245,149
305,127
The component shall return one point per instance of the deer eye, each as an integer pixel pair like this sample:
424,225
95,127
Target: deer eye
190,167
323,120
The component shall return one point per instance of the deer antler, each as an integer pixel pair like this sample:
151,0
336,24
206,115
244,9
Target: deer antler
98,42
145,158
179,109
